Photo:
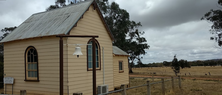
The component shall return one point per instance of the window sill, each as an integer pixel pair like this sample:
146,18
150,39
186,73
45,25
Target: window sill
92,69
121,71
32,80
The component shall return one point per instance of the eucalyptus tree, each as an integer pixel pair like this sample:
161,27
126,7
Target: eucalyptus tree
125,31
5,32
215,16
175,65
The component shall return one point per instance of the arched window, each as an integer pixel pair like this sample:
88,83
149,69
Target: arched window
31,64
90,56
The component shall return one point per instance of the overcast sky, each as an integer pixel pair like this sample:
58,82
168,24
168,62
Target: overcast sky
171,26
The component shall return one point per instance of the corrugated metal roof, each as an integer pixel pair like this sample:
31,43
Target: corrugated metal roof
118,51
54,22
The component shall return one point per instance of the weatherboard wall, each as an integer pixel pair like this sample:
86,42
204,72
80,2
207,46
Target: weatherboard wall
80,79
48,64
77,79
120,77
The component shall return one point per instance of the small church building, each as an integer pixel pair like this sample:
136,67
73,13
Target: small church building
32,53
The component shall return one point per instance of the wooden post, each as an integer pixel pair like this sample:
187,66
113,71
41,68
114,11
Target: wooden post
179,82
124,89
172,83
61,60
94,65
148,88
163,87
61,66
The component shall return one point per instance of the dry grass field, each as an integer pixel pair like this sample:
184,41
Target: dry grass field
195,83
189,87
195,71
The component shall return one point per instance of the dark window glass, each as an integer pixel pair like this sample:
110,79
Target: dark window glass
32,64
90,55
29,58
32,57
120,66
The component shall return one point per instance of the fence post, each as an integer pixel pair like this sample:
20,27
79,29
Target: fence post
124,89
163,87
148,88
179,82
172,83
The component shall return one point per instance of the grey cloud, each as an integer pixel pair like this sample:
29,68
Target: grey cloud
182,40
14,12
171,26
164,55
166,13
180,37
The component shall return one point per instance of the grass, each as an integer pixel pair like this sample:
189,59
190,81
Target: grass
194,86
189,87
156,89
195,71
201,87
200,84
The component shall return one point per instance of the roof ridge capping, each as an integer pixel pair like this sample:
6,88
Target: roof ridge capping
55,22
37,25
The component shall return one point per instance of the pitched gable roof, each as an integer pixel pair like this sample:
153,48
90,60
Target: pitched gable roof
55,22
118,51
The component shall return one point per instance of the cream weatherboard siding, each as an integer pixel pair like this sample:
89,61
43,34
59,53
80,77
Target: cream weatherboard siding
120,78
80,80
48,64
77,79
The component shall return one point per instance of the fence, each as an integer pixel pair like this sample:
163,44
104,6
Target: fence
123,87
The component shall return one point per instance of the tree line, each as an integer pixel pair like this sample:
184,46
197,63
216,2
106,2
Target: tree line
183,63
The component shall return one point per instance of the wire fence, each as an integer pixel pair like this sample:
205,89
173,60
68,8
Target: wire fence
149,85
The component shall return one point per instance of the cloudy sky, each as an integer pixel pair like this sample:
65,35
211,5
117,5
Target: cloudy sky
171,26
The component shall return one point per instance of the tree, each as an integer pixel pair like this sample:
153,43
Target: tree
175,65
126,33
58,4
5,32
52,7
182,63
187,64
140,64
215,16
61,3
165,63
